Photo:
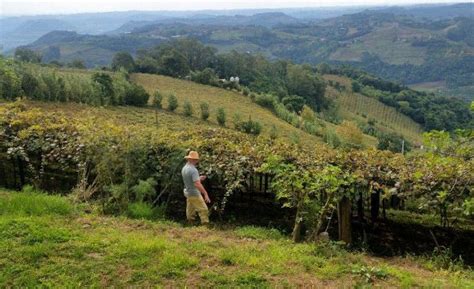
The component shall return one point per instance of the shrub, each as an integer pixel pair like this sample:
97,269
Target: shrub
157,99
308,114
249,126
294,103
266,100
351,134
331,138
204,110
136,95
172,102
144,189
206,76
246,91
188,108
220,116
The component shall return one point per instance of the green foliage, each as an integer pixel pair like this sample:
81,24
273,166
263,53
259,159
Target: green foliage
185,57
144,189
157,100
432,112
207,76
246,91
123,60
355,86
187,108
249,126
136,95
172,102
204,106
221,116
392,142
31,202
370,274
10,82
294,103
105,87
141,210
27,55
266,100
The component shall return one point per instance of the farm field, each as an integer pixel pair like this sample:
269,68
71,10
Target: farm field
45,238
362,108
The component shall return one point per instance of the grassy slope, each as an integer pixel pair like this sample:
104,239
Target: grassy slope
234,102
62,246
354,106
231,101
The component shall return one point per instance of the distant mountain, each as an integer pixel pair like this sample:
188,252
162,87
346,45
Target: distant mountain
269,20
425,46
94,50
30,30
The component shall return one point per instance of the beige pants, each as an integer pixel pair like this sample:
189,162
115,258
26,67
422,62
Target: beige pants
196,204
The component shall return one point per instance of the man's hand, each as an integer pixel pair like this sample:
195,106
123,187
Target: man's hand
202,178
206,199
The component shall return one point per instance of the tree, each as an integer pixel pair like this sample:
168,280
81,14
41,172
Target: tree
187,108
77,63
157,100
206,76
294,103
105,87
10,82
29,83
173,63
123,60
356,87
136,95
303,82
220,116
27,55
172,102
204,110
392,142
308,115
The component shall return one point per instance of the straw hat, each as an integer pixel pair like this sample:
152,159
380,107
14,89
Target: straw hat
193,155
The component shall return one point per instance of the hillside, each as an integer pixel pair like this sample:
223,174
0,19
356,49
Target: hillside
43,239
362,109
413,47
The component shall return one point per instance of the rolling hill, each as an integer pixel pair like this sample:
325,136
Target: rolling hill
411,45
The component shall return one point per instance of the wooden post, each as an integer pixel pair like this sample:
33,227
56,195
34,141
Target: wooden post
344,220
374,204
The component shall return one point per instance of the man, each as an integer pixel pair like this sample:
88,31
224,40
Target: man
194,191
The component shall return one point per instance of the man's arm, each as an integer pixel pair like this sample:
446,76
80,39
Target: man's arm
203,191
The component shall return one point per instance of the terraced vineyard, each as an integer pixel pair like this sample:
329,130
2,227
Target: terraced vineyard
362,108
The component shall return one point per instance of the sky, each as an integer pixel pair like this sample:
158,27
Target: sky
30,7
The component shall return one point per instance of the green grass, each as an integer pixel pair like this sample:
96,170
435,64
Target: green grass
72,248
32,203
